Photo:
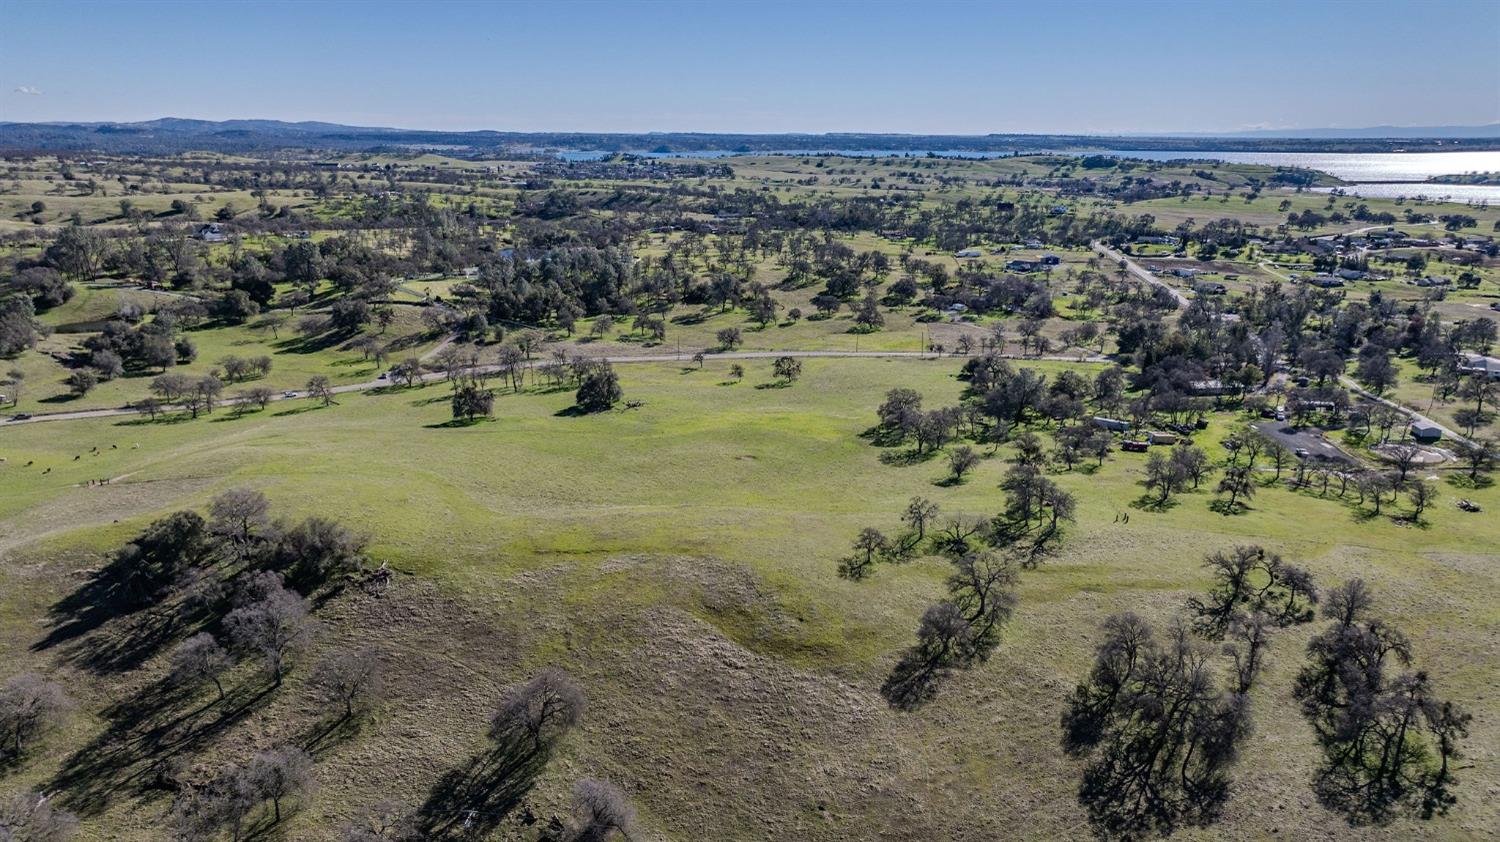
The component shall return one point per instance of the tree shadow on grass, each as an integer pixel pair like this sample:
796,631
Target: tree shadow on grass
914,680
411,340
1224,508
469,802
227,417
774,384
106,596
883,436
175,418
330,732
312,344
1148,503
458,423
298,410
134,754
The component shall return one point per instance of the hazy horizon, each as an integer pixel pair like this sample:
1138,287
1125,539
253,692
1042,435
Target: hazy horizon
1292,131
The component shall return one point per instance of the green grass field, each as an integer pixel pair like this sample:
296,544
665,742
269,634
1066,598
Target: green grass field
679,558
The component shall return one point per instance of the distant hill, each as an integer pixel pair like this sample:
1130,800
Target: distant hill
174,134
1489,131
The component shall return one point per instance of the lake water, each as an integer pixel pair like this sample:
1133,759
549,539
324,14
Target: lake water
1350,166
1370,174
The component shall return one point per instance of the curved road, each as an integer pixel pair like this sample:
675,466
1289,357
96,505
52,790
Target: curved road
617,360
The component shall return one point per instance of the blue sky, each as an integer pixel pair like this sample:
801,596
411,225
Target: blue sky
940,67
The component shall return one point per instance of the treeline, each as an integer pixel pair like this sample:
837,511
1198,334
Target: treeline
222,608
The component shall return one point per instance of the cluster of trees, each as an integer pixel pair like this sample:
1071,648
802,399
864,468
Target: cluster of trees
237,569
1388,740
126,346
1161,731
281,776
964,628
228,589
596,382
557,285
1178,470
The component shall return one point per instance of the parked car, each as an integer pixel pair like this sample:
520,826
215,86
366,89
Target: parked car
1301,453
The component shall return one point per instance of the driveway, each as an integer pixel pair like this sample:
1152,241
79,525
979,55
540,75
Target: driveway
1306,438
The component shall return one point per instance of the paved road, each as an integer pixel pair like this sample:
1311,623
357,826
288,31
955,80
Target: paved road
613,360
1136,270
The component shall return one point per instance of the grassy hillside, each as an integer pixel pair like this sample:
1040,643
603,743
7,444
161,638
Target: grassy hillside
679,559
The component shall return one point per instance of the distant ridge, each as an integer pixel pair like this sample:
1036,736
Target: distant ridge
176,134
1488,131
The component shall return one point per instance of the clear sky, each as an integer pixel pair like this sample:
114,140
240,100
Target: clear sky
919,67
